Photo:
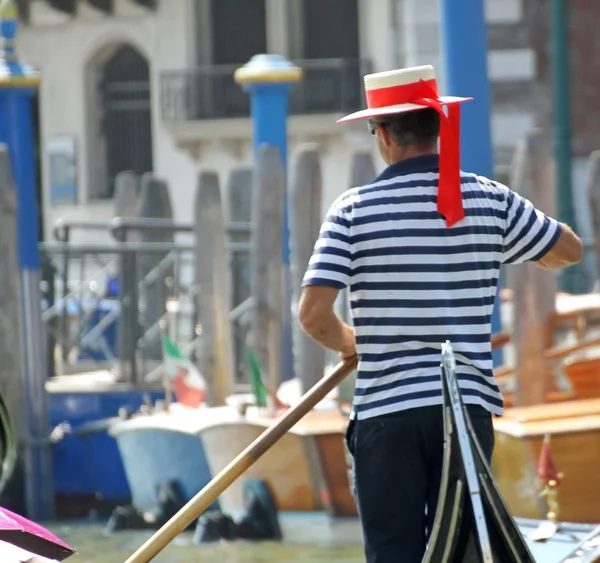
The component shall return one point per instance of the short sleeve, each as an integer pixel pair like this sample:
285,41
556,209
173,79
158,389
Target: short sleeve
529,234
330,262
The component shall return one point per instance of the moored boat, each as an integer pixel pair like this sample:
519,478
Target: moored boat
162,448
305,470
574,427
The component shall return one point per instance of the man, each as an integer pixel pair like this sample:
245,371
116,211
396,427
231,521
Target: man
420,249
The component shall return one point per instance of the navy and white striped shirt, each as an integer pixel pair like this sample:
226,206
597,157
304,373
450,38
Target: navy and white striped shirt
415,283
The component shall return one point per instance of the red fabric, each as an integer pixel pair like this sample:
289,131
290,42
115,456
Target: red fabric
425,93
547,470
186,395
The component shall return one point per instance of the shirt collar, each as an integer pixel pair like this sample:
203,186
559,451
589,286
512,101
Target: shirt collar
425,163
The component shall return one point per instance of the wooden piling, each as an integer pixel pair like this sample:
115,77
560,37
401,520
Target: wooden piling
127,191
154,203
266,263
213,290
11,369
362,172
239,195
305,222
593,192
534,289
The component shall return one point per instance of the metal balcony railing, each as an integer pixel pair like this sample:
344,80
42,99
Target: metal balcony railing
328,86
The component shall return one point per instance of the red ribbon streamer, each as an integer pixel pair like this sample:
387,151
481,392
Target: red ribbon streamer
424,93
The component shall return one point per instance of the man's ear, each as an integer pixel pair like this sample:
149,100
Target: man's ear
386,138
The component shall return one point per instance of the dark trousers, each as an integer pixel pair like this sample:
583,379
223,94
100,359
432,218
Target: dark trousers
397,473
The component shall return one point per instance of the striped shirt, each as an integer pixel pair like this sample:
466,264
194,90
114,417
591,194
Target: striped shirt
415,283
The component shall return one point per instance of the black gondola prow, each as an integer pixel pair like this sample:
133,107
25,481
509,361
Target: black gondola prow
472,524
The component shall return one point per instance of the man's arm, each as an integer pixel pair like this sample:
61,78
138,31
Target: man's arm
319,320
532,236
568,250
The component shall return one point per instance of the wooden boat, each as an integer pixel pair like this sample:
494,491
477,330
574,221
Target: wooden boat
575,430
159,448
305,470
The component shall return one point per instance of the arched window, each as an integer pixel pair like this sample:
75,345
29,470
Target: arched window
122,139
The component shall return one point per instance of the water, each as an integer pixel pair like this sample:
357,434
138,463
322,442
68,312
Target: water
314,541
95,547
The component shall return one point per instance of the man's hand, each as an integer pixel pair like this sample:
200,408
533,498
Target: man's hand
349,350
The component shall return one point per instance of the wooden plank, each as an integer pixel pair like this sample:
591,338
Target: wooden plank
533,288
305,222
266,262
555,411
212,283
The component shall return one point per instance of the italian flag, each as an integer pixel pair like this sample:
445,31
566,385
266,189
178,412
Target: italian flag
259,389
188,384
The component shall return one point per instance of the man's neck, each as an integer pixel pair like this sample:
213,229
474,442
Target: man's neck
404,153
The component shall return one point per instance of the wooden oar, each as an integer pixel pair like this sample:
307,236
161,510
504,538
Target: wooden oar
239,465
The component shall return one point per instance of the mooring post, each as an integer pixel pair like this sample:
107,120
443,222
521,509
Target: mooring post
534,289
154,202
305,222
266,263
18,83
127,191
12,384
465,50
268,79
213,289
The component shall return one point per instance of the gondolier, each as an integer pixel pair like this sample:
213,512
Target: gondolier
420,250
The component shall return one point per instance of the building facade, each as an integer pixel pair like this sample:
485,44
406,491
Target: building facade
147,85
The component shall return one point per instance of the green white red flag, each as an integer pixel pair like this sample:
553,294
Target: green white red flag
188,384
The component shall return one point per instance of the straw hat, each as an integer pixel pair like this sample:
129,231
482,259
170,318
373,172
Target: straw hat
414,88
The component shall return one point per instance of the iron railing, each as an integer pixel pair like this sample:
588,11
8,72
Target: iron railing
106,303
328,86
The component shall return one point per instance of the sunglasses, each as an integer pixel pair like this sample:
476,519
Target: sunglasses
374,124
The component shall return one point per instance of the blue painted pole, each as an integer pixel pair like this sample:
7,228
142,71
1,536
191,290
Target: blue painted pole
268,79
465,50
18,83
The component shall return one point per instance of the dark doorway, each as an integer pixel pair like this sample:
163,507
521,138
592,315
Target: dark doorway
127,118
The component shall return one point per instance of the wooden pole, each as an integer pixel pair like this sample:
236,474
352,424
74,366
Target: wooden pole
305,223
212,283
11,372
239,211
127,191
362,172
239,465
154,203
593,191
534,289
267,277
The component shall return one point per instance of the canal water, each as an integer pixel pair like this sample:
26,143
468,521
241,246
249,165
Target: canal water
93,546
